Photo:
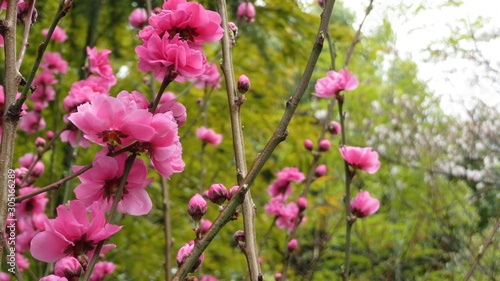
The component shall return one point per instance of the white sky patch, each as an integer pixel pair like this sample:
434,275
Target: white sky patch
455,81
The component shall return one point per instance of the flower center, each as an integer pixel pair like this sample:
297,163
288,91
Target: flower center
112,136
187,34
111,187
81,246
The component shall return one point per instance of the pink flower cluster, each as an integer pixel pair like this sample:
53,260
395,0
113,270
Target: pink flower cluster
171,44
286,213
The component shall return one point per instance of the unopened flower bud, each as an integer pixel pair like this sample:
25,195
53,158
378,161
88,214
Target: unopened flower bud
23,12
324,145
233,28
260,260
243,84
205,225
239,236
184,252
246,11
320,170
50,135
40,142
320,3
68,267
292,245
232,191
302,203
334,128
217,193
197,207
138,18
277,276
308,144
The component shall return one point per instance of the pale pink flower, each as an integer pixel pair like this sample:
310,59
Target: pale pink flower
282,185
167,96
364,205
189,20
32,122
59,34
99,64
42,95
334,128
197,207
208,278
45,77
184,252
335,82
168,57
246,11
133,99
101,182
210,78
84,91
33,205
22,262
361,158
54,62
101,270
71,136
4,276
68,267
53,277
138,18
72,233
27,160
208,136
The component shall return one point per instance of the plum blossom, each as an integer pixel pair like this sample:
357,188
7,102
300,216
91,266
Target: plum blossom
364,205
138,18
246,11
184,252
68,267
53,277
361,158
99,64
334,128
33,205
54,62
84,91
334,82
101,270
32,122
208,136
101,182
59,34
282,185
72,233
210,77
197,207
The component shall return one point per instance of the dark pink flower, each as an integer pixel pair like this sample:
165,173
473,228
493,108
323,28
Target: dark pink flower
54,62
177,109
197,207
335,82
32,122
292,245
334,128
208,278
1,36
22,262
68,267
282,186
27,160
4,276
288,216
164,56
320,170
217,193
308,144
364,205
205,225
184,252
53,277
302,203
210,77
84,91
138,18
99,64
361,158
101,270
232,191
59,34
275,207
324,145
243,84
72,233
246,11
189,20
33,205
100,183
208,136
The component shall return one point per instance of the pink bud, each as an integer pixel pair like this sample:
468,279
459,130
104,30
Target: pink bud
40,142
138,18
292,245
243,84
50,135
334,128
260,260
320,3
217,193
246,11
302,203
320,170
324,145
277,276
68,267
308,144
233,28
23,12
197,207
233,191
205,226
184,252
364,205
239,236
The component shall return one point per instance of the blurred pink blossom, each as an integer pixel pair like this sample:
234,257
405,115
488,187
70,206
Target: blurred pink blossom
184,252
364,205
138,18
59,34
101,270
335,82
208,136
361,158
54,62
246,12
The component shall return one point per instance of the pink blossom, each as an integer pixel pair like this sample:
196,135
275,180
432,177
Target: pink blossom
205,225
54,62
27,160
71,136
277,276
133,99
292,245
364,205
246,11
68,267
320,170
33,205
282,185
208,136
101,270
197,207
335,82
210,77
288,216
208,278
177,109
53,277
164,56
361,158
302,203
101,182
1,36
58,35
334,128
138,18
72,233
184,252
275,207
84,91
99,64
42,95
45,77
4,276
22,262
167,96
189,20
32,122
232,191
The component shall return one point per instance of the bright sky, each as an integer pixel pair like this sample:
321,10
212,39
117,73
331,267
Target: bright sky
415,32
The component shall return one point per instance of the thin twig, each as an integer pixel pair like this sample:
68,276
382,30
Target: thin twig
168,228
358,33
27,26
278,136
